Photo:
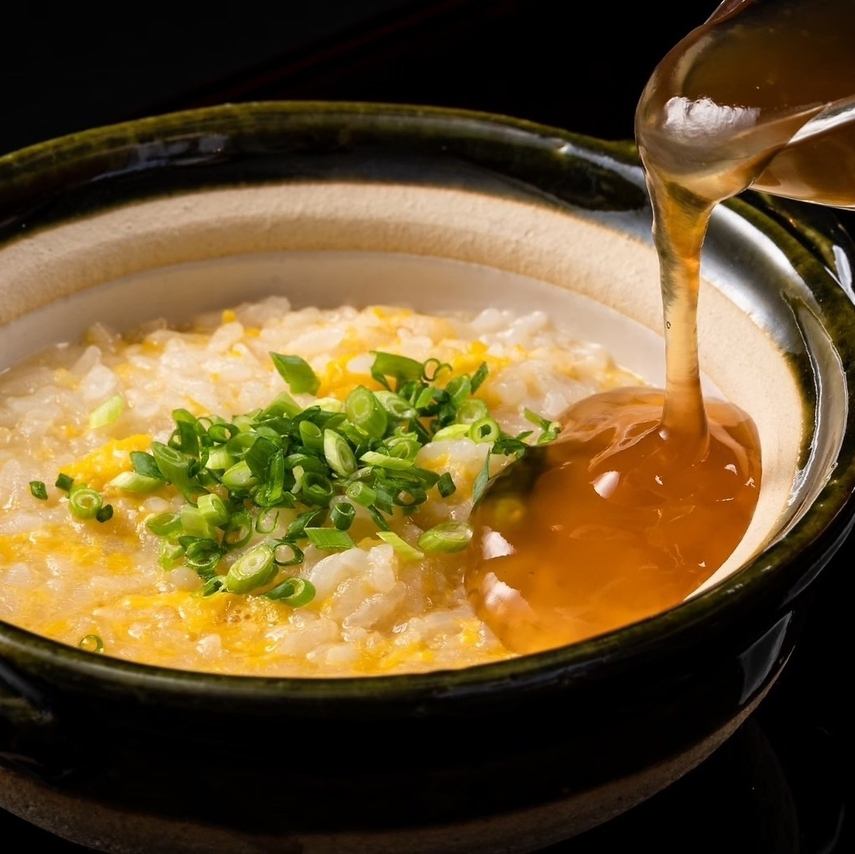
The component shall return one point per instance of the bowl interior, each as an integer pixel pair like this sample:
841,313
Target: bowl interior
438,248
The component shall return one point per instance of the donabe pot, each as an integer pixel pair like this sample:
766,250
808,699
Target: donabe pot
434,208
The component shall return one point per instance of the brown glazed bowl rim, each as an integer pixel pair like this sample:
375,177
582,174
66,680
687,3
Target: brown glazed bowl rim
770,580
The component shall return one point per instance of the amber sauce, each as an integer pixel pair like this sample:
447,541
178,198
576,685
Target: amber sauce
646,493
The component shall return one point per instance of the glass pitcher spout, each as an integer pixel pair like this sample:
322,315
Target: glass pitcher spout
761,95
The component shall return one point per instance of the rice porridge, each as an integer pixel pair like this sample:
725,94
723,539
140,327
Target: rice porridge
371,583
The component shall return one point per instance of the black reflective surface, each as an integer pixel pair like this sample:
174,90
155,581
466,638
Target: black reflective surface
780,784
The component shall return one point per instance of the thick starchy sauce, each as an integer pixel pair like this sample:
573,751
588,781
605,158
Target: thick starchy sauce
646,493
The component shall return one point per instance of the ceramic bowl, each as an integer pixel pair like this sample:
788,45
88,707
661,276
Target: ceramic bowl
437,209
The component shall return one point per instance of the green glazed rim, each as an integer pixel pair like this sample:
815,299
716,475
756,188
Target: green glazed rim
767,583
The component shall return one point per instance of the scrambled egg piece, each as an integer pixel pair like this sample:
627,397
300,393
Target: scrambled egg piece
104,463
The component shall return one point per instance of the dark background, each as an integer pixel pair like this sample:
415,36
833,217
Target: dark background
779,784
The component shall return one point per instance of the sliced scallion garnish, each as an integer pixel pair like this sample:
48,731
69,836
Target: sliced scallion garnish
445,485
145,464
549,429
365,412
386,461
253,569
85,503
38,489
105,513
400,545
287,554
267,520
401,368
175,467
212,509
445,538
236,474
342,515
164,524
64,482
485,430
107,413
329,538
297,373
130,481
295,592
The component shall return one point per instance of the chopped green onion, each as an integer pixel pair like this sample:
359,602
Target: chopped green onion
479,487
238,530
478,377
64,482
342,515
130,481
402,368
240,443
107,413
424,476
219,459
459,390
175,468
549,429
311,435
384,499
338,453
85,503
316,488
306,462
361,493
170,554
471,410
446,485
330,404
453,431
187,430
400,545
404,447
145,464
295,592
91,643
329,538
164,524
297,373
432,368
38,489
194,524
297,528
287,554
238,478
221,432
213,509
211,586
365,412
378,518
267,521
446,537
395,405
283,405
411,496
258,457
203,554
484,430
426,398
253,569
375,458
105,513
